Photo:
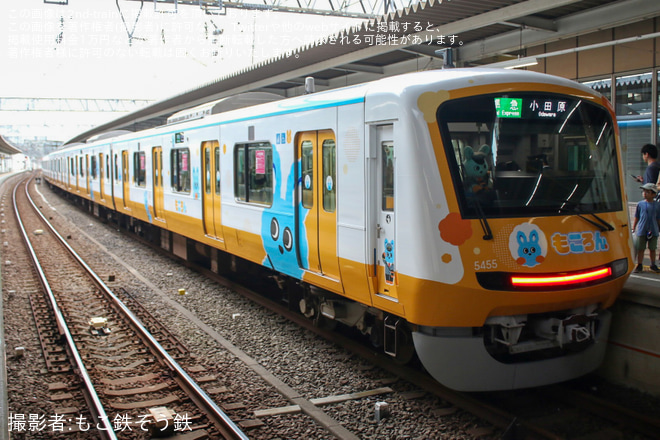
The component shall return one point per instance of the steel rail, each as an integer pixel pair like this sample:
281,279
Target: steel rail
641,423
93,399
227,426
509,423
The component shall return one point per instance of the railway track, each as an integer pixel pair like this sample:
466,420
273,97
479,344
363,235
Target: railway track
130,383
509,421
510,415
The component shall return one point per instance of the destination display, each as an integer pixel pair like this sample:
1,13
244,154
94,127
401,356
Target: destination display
532,108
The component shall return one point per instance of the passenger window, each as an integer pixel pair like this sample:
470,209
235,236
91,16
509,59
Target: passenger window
139,168
92,172
387,183
207,171
253,173
117,178
82,168
239,174
180,169
217,170
307,163
329,175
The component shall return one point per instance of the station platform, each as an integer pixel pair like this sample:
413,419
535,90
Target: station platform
633,355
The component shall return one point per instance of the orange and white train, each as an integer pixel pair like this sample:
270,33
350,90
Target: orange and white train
475,215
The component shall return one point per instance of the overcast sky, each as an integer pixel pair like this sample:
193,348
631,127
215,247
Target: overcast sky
93,49
85,49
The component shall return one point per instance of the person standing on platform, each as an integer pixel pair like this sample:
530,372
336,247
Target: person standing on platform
650,156
646,226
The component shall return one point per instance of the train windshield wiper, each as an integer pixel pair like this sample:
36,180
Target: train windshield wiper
606,225
601,224
488,234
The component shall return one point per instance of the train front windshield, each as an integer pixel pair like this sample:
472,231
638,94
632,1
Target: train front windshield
524,154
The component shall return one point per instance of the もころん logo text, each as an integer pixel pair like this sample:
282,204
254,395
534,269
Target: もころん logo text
579,242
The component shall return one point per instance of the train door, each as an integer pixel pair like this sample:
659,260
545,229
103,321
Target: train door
87,175
211,189
69,172
82,180
385,220
157,163
126,190
316,207
77,168
114,176
101,177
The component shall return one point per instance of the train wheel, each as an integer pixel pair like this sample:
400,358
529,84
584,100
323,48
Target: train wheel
324,323
310,306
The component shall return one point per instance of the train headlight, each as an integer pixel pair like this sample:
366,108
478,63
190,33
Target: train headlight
620,267
550,280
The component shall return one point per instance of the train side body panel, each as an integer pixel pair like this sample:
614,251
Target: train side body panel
352,201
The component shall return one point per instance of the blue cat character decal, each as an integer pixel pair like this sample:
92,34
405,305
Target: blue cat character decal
388,260
528,245
278,225
528,250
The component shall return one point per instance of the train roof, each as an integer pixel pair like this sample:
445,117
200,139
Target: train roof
229,103
239,109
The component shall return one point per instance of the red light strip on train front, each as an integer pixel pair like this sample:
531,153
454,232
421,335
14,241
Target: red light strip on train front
560,280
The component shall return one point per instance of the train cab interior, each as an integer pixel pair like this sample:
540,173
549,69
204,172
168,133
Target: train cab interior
533,161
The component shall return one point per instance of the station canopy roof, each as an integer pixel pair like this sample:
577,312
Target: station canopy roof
7,148
479,32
